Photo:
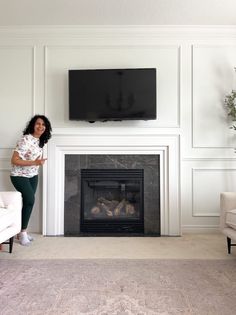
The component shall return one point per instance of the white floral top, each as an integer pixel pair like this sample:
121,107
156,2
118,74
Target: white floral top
28,149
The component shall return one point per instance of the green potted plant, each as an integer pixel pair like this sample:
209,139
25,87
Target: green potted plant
230,104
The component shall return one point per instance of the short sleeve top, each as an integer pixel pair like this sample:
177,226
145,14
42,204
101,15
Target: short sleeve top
29,150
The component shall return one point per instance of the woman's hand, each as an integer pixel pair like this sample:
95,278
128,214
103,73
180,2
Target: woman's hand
39,161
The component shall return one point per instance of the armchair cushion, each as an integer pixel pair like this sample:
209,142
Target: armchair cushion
231,218
7,218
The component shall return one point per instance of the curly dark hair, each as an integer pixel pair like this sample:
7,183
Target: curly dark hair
29,129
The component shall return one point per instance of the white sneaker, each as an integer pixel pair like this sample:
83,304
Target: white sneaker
23,238
30,238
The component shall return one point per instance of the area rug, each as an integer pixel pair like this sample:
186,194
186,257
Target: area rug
117,287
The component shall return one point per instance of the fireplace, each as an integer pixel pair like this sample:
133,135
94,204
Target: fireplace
112,194
112,201
71,150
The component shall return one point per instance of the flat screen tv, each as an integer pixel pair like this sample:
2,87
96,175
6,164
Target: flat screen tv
112,94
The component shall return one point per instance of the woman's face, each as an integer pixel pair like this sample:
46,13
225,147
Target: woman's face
39,128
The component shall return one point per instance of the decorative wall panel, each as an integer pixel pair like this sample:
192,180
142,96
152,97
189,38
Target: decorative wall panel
213,78
17,91
206,201
164,58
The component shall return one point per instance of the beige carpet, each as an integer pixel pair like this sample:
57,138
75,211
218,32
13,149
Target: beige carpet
191,246
117,287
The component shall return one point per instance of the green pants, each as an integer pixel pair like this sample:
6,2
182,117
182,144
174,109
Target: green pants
27,187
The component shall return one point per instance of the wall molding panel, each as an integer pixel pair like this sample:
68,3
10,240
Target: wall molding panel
165,58
204,201
17,97
213,77
5,164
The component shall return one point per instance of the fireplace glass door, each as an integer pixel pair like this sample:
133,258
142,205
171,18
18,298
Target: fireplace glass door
112,201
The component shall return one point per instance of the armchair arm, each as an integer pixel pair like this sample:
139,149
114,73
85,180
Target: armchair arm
12,198
227,202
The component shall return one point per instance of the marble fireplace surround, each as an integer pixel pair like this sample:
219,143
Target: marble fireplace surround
89,141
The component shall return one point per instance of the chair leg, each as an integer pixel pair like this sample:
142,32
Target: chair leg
11,244
229,245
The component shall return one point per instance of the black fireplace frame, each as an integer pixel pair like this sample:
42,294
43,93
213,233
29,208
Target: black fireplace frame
106,227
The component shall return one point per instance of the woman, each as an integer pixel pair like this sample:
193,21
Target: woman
26,159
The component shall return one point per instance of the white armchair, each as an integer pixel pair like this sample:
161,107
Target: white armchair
10,216
228,217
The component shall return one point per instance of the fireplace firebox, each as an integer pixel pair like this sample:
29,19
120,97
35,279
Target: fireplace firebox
147,202
112,201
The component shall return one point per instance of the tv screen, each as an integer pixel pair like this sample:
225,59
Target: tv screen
112,94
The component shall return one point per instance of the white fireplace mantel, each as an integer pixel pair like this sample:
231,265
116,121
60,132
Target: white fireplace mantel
93,142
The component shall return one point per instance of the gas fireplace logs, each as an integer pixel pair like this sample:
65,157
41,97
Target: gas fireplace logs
110,208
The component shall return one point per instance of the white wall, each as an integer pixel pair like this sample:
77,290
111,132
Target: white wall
194,72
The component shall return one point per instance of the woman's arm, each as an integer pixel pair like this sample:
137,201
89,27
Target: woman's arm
16,160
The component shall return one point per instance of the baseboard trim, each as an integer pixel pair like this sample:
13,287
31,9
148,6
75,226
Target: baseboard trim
200,229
